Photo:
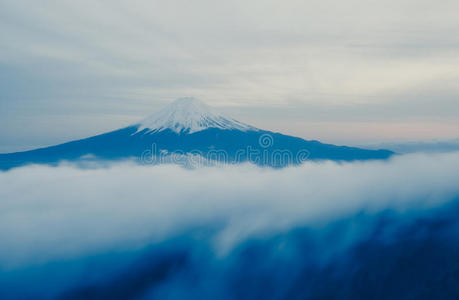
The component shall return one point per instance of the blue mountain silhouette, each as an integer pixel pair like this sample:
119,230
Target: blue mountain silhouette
189,127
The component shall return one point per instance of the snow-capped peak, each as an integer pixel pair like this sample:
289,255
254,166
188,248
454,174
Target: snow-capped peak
188,115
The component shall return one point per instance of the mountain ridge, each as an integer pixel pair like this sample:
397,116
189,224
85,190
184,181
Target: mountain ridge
199,131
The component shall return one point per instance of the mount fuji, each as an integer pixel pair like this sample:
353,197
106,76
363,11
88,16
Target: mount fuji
186,127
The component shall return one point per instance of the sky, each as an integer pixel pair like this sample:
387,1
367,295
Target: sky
344,72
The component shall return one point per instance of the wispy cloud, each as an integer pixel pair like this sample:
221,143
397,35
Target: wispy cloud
126,224
121,61
55,213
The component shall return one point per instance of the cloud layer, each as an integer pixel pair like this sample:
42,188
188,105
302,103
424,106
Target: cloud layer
68,218
65,211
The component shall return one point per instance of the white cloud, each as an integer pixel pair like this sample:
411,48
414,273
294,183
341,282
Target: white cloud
49,214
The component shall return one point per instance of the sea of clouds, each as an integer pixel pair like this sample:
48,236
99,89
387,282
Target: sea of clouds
68,231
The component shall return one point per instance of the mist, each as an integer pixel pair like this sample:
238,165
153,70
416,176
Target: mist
159,231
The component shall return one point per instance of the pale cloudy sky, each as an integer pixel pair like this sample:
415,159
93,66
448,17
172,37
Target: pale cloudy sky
339,71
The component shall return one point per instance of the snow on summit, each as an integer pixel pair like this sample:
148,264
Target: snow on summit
189,115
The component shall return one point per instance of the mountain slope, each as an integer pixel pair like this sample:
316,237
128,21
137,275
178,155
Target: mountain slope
188,115
188,126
